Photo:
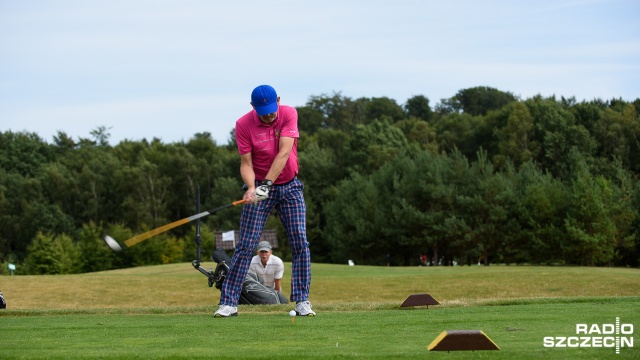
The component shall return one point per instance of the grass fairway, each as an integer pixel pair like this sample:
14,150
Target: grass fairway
166,312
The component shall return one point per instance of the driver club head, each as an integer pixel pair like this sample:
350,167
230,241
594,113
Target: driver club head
112,243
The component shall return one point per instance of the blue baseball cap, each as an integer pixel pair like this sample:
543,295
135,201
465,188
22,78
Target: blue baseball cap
264,99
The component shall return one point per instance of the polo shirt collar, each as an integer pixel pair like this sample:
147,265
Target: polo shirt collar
258,122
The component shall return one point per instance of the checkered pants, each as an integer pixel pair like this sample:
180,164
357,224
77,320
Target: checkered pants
289,202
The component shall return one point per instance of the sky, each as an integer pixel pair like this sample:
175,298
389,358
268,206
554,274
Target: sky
146,69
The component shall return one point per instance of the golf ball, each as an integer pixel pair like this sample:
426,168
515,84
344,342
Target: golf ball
292,313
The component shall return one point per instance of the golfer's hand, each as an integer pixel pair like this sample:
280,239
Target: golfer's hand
249,196
262,193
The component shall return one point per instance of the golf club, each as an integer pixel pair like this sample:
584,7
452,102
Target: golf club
116,246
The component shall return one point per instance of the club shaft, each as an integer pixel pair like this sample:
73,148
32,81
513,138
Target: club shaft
142,237
212,211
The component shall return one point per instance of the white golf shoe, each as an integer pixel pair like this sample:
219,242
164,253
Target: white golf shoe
303,308
226,311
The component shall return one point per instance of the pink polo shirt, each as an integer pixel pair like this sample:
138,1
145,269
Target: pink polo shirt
262,141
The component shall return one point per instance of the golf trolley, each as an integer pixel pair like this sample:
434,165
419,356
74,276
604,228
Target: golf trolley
219,256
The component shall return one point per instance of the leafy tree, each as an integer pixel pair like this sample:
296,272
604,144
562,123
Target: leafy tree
82,182
181,168
427,185
459,131
147,191
419,132
352,221
335,141
517,138
418,107
384,108
630,255
49,254
205,161
339,112
22,203
557,133
541,206
23,153
48,217
631,121
487,199
59,185
172,250
101,135
406,206
374,144
618,135
480,100
601,216
447,106
96,256
588,113
591,232
610,132
319,167
310,120
623,212
63,143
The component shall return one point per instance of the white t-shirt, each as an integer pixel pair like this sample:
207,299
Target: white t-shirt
267,274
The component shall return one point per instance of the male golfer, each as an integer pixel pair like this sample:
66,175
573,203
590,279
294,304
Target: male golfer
267,140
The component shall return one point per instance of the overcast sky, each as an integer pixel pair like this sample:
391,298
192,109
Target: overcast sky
171,69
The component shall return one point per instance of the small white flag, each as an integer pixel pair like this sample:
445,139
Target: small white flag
229,236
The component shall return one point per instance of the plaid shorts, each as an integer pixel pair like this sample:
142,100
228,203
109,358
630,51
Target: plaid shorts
288,201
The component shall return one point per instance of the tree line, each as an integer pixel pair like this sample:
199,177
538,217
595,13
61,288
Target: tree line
483,176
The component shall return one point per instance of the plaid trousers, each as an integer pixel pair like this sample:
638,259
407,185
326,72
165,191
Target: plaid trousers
288,200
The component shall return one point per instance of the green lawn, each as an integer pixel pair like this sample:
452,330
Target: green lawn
166,312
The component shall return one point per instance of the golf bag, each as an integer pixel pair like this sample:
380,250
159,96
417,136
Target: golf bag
253,292
3,303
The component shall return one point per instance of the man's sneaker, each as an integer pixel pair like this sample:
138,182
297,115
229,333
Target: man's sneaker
226,311
303,308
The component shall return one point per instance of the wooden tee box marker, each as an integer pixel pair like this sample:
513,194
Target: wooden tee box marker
452,340
419,300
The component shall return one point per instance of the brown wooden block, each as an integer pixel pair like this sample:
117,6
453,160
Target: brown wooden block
419,300
451,340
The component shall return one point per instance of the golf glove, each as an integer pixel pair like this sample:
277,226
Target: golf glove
262,192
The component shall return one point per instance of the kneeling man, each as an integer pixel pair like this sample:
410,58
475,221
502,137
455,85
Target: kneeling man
268,268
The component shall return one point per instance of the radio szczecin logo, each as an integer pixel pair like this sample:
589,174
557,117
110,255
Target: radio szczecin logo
595,336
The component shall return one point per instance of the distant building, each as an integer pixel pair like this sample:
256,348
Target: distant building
230,241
